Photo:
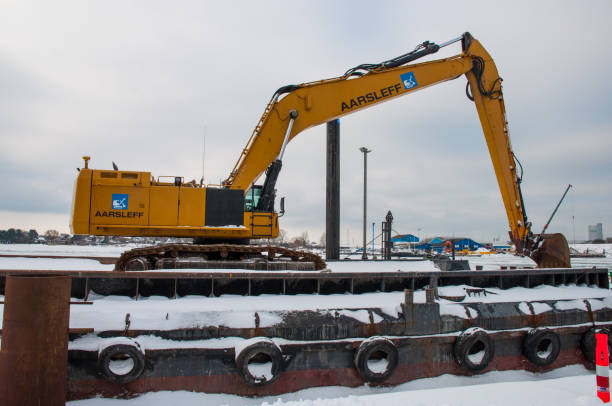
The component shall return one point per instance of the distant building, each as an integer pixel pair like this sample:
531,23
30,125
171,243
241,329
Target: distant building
596,232
438,243
405,238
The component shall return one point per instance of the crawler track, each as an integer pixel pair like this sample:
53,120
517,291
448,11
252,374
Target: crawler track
164,256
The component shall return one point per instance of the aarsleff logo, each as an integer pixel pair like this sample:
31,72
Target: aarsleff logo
119,201
409,80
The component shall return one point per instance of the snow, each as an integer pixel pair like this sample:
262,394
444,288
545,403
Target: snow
67,264
545,353
458,311
477,357
162,313
121,366
68,250
261,371
378,366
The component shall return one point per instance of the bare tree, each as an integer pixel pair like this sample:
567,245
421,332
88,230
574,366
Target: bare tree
282,237
51,236
301,241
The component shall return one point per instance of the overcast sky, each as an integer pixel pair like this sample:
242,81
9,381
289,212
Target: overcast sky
141,82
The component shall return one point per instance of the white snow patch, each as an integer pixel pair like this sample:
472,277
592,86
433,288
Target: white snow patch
595,304
477,357
452,291
543,354
261,371
456,310
121,366
378,366
524,308
50,264
393,311
577,304
539,308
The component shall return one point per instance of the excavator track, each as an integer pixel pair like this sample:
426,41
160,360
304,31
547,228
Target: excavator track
217,256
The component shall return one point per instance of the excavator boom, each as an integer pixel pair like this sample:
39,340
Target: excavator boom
366,85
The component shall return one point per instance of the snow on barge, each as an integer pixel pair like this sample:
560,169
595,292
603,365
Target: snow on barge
261,333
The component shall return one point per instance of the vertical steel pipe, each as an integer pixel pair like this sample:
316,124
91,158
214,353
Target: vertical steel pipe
332,207
34,354
365,151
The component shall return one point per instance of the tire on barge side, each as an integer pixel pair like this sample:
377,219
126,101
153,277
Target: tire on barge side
255,357
588,343
122,362
541,346
376,359
474,349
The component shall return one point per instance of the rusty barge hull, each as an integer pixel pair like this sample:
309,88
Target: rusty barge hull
175,283
308,365
322,348
428,337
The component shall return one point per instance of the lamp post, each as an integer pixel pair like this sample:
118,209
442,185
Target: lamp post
365,151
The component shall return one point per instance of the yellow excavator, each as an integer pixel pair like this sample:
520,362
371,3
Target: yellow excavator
222,218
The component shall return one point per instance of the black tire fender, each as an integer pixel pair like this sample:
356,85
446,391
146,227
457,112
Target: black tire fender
122,354
263,349
541,346
373,348
468,348
588,343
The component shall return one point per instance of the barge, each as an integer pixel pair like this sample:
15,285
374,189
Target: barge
257,333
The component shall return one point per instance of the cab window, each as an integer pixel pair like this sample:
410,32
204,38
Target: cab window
252,198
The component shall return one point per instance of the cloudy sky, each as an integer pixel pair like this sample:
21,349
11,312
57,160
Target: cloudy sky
141,82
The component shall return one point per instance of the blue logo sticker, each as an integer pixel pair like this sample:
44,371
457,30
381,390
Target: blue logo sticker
120,201
409,80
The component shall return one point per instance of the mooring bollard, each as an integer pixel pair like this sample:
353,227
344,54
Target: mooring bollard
602,367
34,356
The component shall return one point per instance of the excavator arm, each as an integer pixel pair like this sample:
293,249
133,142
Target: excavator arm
296,108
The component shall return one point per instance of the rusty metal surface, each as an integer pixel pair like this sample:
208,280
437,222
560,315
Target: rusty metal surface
35,340
308,365
553,252
180,283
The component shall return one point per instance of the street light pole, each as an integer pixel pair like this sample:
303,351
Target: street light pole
365,151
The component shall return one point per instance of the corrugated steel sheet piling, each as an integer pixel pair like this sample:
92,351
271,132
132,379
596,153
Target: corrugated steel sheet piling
332,208
34,356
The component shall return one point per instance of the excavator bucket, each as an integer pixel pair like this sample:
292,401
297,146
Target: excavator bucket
553,252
